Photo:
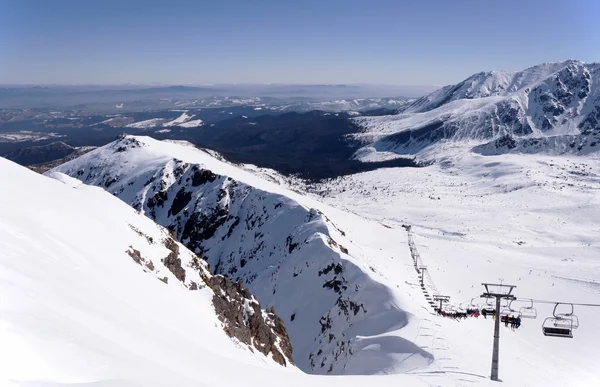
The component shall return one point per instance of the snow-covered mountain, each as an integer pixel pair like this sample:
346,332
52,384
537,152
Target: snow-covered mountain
552,107
90,288
345,284
278,243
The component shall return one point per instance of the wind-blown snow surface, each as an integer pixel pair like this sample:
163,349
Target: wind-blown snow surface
552,108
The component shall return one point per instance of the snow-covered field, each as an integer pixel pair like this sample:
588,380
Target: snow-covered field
147,124
183,118
23,136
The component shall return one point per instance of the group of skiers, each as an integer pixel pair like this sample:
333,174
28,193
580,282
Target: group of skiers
514,321
458,315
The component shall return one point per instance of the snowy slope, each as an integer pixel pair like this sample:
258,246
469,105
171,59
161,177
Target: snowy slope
279,243
528,220
182,119
88,293
548,100
492,219
147,124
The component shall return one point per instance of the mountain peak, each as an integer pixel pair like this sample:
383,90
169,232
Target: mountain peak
549,100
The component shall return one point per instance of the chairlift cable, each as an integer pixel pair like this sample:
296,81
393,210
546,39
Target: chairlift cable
556,302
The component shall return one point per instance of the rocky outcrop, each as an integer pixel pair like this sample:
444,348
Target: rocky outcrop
239,312
172,261
243,319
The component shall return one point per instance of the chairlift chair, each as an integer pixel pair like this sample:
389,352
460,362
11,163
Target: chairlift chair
528,311
560,324
509,311
488,308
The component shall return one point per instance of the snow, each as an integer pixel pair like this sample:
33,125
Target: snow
282,217
75,309
146,124
547,107
531,221
191,124
474,219
26,135
184,117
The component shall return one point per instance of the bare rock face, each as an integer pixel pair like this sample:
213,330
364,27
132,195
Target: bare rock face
239,312
244,319
172,261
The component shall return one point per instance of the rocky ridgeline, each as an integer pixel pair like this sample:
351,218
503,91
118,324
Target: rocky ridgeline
551,107
290,257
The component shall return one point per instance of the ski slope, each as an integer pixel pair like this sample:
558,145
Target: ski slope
528,220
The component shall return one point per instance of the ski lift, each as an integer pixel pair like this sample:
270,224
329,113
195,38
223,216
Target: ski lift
488,308
528,311
509,311
472,305
560,324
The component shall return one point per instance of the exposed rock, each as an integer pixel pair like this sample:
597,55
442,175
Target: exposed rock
181,200
243,319
172,261
202,176
135,255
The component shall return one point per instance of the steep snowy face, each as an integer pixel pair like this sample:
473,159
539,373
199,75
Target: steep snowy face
557,99
290,255
90,290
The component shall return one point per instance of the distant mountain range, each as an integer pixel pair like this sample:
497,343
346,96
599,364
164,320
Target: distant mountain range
552,107
130,97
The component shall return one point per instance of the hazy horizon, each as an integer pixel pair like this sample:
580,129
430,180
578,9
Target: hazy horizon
427,43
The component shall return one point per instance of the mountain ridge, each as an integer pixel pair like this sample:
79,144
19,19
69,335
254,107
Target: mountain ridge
551,99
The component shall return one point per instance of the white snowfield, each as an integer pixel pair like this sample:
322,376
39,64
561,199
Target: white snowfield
191,124
147,124
532,221
183,121
183,118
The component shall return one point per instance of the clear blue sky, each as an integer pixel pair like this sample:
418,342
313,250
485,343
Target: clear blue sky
408,42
